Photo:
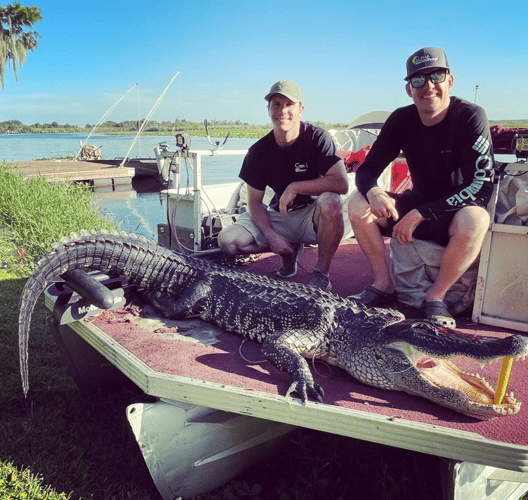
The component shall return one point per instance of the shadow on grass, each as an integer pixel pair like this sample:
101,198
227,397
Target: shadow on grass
79,443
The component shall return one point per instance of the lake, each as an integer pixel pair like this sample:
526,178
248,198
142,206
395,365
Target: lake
139,214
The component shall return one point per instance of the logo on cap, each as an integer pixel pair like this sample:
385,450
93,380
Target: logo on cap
423,59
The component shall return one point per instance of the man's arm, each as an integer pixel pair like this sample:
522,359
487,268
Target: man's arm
335,181
475,168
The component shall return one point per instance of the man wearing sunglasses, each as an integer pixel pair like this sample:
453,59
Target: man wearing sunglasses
447,145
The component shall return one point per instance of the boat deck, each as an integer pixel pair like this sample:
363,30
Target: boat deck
197,363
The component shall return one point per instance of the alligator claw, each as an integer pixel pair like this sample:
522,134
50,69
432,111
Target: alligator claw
306,390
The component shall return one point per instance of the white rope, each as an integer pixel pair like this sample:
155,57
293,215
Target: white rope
248,360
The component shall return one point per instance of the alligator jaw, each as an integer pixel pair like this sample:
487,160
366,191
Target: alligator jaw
465,392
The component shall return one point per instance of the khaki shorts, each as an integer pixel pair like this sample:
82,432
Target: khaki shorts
298,227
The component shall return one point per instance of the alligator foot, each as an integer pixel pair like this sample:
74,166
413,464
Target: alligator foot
280,348
305,388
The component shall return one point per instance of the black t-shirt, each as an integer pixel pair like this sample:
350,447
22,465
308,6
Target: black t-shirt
309,157
451,163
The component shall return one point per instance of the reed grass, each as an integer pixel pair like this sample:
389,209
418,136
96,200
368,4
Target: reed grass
34,214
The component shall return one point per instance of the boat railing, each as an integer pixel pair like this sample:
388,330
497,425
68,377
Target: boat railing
188,209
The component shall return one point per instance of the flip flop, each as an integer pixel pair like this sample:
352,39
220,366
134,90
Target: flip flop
372,297
436,311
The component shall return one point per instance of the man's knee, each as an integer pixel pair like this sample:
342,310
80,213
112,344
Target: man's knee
227,240
470,222
358,206
236,239
329,206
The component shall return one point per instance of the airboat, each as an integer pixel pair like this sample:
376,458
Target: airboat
218,408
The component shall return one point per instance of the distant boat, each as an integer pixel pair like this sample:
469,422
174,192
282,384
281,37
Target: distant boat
144,167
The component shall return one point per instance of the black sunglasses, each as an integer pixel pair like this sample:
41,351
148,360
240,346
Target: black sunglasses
437,76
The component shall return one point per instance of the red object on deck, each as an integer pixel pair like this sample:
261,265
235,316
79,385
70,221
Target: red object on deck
502,137
353,159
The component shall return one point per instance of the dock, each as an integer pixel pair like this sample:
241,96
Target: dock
99,173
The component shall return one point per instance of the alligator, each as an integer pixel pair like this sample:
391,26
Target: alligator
293,322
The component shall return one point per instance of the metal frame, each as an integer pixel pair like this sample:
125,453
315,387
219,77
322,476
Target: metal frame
496,256
195,157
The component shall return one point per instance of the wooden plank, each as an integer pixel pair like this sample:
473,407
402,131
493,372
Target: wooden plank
69,170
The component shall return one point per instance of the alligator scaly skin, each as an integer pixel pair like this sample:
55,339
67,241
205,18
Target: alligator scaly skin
291,320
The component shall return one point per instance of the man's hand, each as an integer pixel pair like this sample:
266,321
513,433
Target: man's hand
403,230
381,204
286,199
280,245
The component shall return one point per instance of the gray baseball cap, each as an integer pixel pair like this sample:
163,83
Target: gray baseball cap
286,88
428,57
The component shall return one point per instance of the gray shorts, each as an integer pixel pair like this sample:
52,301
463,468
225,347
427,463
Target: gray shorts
298,227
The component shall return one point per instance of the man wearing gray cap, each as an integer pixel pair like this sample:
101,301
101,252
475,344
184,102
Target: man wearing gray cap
447,145
300,164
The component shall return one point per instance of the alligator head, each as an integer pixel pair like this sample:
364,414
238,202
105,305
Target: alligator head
415,357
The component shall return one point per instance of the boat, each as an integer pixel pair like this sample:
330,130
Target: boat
143,167
217,410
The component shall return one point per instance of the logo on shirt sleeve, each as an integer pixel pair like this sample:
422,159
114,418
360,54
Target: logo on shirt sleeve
483,173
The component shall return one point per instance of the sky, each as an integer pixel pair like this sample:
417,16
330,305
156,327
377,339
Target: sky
348,57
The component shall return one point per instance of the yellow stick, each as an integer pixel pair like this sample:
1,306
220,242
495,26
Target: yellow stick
504,377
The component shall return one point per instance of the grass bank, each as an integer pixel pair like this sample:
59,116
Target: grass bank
61,444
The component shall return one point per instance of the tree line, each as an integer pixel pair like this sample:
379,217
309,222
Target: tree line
132,126
215,127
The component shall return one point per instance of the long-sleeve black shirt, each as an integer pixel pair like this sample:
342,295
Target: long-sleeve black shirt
451,163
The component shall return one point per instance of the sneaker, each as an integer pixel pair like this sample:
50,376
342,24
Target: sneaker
320,281
289,262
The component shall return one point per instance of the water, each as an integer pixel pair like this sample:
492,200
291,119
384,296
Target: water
142,213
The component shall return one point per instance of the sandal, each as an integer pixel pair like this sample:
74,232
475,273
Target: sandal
372,297
436,311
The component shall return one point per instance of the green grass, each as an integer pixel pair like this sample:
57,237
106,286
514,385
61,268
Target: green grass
59,443
63,444
34,214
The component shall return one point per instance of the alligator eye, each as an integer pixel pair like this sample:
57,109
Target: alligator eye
396,328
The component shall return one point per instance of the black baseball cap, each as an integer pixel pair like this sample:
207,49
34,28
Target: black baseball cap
428,57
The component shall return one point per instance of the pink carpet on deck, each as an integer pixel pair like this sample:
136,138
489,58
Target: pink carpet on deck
222,363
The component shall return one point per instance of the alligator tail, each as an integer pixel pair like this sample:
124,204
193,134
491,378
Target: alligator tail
141,261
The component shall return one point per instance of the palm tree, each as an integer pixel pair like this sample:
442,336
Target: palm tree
15,43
